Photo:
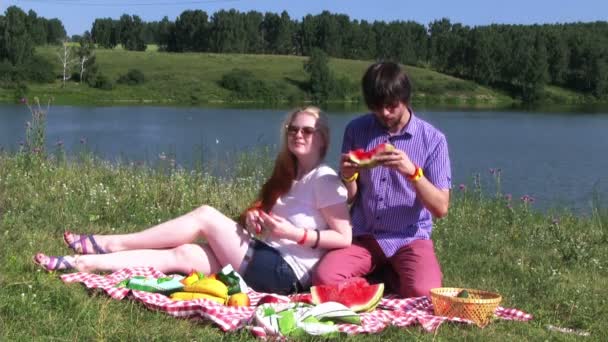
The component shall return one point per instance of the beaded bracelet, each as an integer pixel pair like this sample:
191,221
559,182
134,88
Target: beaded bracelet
351,178
317,240
417,175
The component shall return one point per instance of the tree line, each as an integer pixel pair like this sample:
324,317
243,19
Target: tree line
521,59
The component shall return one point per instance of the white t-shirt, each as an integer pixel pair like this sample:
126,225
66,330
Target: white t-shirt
319,188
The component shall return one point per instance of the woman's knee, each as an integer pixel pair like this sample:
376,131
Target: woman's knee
205,215
187,254
204,211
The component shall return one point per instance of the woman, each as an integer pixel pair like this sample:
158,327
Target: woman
301,212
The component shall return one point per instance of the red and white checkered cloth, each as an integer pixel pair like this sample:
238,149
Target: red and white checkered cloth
391,310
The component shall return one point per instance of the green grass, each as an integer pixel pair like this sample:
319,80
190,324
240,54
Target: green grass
552,265
192,78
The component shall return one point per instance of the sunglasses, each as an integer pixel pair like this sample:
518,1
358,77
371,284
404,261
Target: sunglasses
306,130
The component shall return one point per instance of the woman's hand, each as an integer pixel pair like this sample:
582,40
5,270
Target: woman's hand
252,222
277,226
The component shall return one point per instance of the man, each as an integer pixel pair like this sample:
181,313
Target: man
394,203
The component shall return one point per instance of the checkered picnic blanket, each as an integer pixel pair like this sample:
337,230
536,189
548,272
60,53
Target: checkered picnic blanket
391,310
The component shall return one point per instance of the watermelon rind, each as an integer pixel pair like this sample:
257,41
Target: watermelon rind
369,162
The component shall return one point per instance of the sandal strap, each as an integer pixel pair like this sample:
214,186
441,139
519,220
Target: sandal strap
96,247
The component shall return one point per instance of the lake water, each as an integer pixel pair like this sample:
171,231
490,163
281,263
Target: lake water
560,159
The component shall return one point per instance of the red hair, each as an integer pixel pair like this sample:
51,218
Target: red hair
286,165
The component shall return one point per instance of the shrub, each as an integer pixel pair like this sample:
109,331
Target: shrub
20,91
100,81
132,77
6,74
245,85
38,69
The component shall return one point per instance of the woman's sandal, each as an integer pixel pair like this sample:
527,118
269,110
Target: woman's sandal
82,243
55,263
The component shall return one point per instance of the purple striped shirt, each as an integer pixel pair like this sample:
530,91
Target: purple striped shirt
386,205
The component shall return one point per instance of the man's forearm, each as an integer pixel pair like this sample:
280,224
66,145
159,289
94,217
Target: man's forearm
437,201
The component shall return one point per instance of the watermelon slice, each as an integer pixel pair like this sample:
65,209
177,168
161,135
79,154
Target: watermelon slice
356,294
366,158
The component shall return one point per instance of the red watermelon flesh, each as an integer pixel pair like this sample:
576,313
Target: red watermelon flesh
366,158
354,293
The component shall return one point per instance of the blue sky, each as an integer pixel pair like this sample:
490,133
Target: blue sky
78,15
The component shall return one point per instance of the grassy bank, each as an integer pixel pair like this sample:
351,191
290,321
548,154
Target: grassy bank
192,79
554,266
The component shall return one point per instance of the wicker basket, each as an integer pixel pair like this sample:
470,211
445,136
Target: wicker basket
478,307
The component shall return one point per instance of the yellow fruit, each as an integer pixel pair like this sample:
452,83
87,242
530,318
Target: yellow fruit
192,278
210,286
238,299
195,295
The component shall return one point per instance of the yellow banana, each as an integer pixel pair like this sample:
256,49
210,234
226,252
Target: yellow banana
195,295
210,286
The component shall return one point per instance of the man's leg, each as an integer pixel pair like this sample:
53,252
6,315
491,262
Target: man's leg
357,260
417,268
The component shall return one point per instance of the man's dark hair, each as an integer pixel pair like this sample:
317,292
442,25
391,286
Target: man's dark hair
384,84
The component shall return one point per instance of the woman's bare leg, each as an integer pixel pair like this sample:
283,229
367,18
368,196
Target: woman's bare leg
228,242
181,259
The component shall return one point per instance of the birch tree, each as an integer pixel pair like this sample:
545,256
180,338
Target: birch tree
66,59
86,56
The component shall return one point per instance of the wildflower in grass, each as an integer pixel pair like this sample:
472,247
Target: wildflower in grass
23,100
527,199
83,140
492,171
508,197
462,187
162,156
555,221
59,143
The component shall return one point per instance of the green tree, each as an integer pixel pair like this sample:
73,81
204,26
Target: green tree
252,22
16,44
131,33
558,55
278,33
536,74
55,32
228,32
191,31
36,28
307,35
321,81
104,34
482,65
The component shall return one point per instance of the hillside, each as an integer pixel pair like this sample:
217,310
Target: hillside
192,79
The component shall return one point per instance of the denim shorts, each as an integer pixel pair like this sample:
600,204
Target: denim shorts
267,271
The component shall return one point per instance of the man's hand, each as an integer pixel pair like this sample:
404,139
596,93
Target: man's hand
347,167
398,160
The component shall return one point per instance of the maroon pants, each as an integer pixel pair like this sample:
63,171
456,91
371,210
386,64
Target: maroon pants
411,272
